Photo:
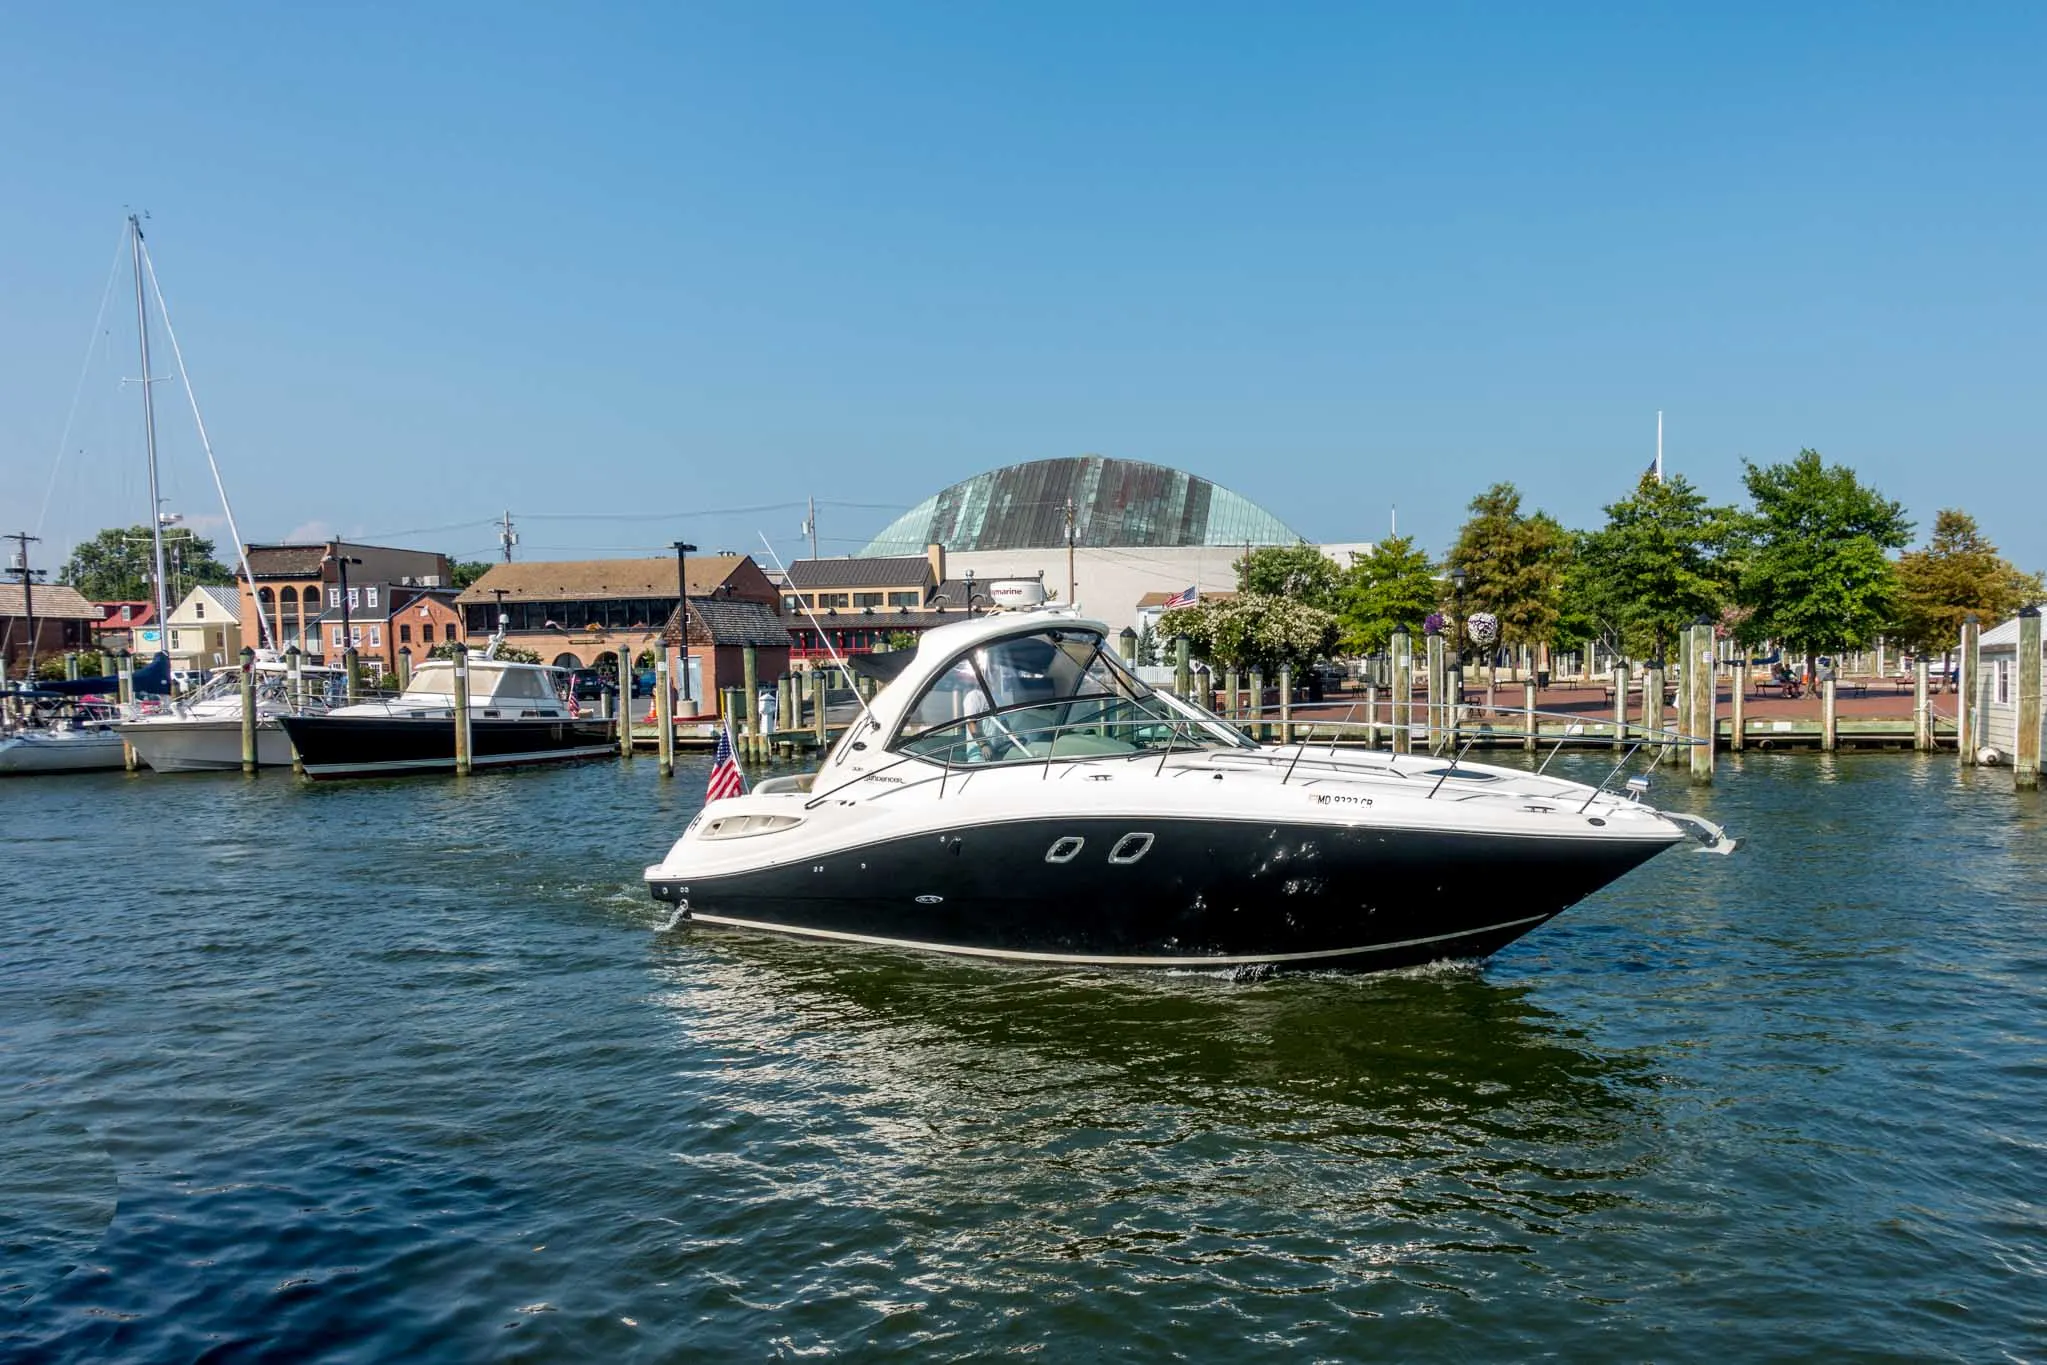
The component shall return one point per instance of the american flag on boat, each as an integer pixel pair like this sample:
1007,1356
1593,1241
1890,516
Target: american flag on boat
726,778
1186,597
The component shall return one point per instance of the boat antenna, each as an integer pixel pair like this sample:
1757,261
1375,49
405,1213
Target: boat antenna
265,636
822,634
163,606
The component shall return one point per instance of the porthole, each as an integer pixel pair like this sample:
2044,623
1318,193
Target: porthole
1130,848
1065,849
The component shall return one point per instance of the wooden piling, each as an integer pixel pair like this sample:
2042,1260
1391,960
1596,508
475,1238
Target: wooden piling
1286,704
1652,700
1737,736
664,715
352,661
1620,704
464,756
818,719
1437,683
750,672
1183,669
1702,696
1258,730
1401,646
71,666
1965,690
248,710
625,702
1922,708
295,673
125,685
2025,771
1371,716
1830,733
1528,734
404,667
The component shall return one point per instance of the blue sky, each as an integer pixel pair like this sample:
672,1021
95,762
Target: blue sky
607,267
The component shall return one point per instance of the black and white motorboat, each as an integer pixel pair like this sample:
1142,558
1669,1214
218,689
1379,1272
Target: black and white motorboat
518,714
1018,793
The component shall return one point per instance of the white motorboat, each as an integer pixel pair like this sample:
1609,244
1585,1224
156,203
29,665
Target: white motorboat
83,742
1018,793
203,732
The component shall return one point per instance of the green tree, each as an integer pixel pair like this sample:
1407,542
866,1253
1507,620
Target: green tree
467,571
1958,572
119,562
1253,630
1817,575
1393,586
1514,565
1661,560
1301,572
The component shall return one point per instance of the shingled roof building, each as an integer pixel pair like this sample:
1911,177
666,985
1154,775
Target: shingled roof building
572,613
63,622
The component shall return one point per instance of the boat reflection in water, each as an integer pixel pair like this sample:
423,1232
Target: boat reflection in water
1017,793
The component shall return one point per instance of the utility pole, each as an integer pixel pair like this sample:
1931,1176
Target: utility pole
507,537
22,539
682,549
810,526
1071,588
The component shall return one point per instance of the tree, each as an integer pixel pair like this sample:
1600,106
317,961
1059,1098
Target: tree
467,571
1253,630
1514,565
1147,650
1817,576
119,563
1661,560
1958,572
1301,572
1394,586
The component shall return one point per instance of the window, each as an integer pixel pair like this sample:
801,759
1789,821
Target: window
834,599
333,597
906,599
792,602
355,636
340,640
867,599
354,598
369,596
127,613
199,611
2003,681
426,633
376,637
405,633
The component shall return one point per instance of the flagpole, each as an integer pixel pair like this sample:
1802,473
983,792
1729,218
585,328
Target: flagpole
1659,445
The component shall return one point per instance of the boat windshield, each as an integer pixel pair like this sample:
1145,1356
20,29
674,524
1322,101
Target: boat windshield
1054,694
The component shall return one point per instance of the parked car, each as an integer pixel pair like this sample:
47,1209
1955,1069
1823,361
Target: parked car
587,684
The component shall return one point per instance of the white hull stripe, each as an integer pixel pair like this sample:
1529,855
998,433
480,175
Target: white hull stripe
494,760
1101,960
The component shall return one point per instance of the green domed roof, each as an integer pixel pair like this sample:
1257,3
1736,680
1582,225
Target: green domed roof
1117,503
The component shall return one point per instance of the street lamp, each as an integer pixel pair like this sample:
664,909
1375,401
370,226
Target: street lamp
682,549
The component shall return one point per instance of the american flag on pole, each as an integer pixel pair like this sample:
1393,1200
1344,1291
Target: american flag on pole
1186,597
726,779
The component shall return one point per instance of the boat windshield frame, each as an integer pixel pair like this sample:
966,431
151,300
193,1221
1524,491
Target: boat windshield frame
1123,717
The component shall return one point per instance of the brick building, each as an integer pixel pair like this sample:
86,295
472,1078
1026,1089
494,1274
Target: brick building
297,587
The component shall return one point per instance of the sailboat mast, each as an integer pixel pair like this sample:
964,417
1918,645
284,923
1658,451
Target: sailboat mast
163,606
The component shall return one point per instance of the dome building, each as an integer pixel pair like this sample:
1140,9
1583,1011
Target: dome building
1136,529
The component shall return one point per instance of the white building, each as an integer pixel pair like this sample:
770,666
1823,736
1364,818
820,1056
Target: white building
206,629
1997,690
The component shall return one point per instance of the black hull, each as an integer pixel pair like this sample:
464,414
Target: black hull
376,746
1208,893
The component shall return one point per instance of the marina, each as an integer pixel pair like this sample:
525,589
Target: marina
1766,1106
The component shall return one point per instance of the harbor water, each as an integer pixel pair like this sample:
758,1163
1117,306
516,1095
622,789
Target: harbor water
408,1071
